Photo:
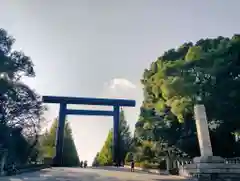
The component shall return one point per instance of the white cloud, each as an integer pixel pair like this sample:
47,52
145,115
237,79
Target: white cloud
121,83
119,88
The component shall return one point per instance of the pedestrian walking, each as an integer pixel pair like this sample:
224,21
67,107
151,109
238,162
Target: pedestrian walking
132,166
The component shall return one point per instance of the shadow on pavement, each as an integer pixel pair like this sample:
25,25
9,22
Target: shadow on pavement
122,169
86,177
77,174
44,175
111,168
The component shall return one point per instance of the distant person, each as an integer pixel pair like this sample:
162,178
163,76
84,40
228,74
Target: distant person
85,164
132,166
81,164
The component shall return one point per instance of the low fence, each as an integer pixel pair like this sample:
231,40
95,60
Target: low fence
183,162
178,165
235,160
155,171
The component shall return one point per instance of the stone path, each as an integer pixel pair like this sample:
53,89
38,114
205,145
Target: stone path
79,174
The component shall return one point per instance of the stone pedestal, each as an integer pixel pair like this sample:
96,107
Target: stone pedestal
208,167
208,159
211,169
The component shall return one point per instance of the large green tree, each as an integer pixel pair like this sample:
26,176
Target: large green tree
47,145
125,137
95,160
207,71
105,155
21,108
125,141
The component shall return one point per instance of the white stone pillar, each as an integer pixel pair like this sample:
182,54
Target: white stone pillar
203,131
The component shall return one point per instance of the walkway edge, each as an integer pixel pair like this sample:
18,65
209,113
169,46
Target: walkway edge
34,169
156,171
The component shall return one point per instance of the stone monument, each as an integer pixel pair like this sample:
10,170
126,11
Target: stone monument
202,131
208,167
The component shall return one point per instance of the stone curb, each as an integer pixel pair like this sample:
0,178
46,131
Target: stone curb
155,171
37,168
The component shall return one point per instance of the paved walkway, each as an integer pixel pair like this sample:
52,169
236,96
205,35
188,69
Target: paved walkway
80,174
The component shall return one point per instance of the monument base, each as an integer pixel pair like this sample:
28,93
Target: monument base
211,168
208,159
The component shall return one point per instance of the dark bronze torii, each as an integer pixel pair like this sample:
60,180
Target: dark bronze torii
64,111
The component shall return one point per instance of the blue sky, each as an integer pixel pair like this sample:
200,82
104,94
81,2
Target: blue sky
100,48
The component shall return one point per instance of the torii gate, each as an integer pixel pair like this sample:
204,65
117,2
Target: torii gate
64,111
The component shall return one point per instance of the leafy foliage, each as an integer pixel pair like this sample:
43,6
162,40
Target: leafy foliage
207,71
70,155
95,160
21,108
104,157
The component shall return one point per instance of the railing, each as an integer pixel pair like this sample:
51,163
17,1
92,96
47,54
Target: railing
182,162
235,160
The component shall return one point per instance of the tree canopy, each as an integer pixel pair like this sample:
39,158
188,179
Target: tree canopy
21,108
207,71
